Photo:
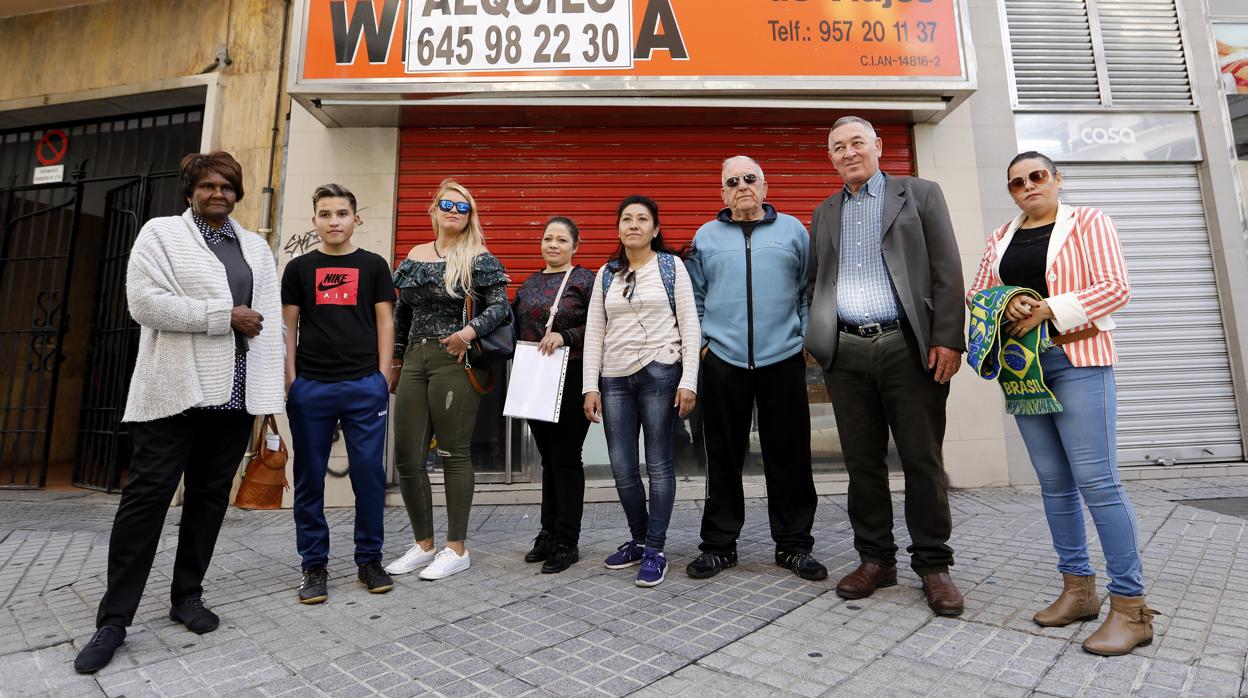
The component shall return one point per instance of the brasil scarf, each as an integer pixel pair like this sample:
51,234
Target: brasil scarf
991,349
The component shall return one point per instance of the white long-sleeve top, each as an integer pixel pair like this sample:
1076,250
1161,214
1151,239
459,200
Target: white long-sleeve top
624,334
178,293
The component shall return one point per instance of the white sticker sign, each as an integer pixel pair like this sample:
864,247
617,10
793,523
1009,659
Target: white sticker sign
50,174
500,35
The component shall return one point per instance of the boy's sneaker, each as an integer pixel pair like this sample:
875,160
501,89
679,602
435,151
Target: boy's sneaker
446,563
99,650
653,569
543,547
315,586
563,558
412,560
374,578
802,564
626,555
708,565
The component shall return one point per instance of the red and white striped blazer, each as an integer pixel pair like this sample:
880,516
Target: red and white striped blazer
1086,275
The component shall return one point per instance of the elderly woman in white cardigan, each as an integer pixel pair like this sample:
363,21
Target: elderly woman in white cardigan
204,291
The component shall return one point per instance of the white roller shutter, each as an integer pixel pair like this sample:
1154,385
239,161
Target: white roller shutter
1175,398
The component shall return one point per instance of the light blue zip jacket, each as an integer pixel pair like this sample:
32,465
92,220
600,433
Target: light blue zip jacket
751,292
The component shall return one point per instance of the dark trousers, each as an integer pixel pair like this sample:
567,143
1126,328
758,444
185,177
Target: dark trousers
315,408
205,445
877,384
563,471
729,394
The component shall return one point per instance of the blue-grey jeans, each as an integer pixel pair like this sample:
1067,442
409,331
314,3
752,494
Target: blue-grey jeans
643,400
1074,453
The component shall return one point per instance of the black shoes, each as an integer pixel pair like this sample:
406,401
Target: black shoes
315,586
374,578
708,565
195,616
543,547
802,564
99,650
561,559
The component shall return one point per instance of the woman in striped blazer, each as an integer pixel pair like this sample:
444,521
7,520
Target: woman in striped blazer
1071,257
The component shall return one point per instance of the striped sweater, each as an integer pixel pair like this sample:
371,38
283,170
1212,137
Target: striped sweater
178,293
624,334
1086,275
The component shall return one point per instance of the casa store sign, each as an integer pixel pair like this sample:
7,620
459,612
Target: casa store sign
1110,137
458,46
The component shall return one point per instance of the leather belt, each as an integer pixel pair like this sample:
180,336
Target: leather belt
1089,333
872,330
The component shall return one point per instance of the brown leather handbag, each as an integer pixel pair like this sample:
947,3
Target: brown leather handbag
264,479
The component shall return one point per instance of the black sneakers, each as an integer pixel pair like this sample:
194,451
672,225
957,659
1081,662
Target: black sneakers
99,650
708,565
315,586
561,559
374,578
802,564
543,547
195,616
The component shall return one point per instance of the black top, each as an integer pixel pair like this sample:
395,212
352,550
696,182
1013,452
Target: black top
337,297
224,244
537,294
1023,263
426,310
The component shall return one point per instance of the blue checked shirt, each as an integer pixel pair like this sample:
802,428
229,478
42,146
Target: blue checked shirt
864,291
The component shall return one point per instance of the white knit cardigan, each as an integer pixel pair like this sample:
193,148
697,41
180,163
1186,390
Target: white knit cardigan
178,293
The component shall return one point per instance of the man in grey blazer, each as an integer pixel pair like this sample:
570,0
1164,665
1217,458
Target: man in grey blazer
886,323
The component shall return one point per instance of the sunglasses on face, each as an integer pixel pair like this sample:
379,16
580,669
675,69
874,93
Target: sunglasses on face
460,207
628,284
750,179
1037,177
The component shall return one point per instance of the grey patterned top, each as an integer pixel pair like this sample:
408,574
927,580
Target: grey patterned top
426,311
864,290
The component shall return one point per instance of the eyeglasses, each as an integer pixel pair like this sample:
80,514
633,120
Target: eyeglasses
628,285
749,179
460,207
1037,177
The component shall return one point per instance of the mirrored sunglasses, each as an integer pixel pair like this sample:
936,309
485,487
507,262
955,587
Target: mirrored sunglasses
460,207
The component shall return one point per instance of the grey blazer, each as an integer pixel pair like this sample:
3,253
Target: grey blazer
921,255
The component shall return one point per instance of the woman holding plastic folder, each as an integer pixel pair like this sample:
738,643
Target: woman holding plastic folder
550,309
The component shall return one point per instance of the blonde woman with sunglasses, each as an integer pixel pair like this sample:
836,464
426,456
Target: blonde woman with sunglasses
434,392
1071,257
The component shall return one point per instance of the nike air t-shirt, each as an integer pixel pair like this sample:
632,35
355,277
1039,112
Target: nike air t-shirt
336,296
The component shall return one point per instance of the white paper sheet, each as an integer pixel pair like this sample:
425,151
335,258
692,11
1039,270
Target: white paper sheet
535,387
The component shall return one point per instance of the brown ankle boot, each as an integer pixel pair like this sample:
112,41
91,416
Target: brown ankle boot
1128,625
1077,602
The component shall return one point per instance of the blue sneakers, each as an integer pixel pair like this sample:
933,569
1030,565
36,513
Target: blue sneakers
626,555
653,569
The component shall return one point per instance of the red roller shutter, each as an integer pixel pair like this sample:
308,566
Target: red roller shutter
522,176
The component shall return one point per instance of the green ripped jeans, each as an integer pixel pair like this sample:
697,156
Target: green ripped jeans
435,397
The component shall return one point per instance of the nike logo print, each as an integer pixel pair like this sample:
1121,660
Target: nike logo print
323,286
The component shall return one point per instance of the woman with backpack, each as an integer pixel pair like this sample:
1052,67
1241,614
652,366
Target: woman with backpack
641,370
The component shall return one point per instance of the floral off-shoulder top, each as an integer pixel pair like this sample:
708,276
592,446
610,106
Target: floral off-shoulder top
426,311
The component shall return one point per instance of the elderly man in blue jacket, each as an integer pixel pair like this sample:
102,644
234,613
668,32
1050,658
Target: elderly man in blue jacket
749,273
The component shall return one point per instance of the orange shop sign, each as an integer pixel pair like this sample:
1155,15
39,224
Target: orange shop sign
678,42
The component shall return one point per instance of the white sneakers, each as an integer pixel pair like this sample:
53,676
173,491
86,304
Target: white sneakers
413,559
446,563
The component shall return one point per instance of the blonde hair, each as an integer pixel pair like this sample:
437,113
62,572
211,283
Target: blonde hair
472,243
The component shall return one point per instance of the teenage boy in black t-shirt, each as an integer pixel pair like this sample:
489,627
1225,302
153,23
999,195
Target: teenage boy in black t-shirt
341,300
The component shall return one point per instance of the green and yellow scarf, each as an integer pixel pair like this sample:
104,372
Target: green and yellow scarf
990,349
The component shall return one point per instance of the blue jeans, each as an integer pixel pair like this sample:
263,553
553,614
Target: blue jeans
630,403
1074,453
315,408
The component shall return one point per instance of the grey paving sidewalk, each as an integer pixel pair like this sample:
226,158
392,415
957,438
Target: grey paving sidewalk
502,628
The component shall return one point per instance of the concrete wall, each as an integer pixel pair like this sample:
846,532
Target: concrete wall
364,160
126,46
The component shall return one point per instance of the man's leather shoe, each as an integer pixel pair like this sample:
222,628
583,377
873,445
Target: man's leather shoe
99,650
195,616
863,581
943,596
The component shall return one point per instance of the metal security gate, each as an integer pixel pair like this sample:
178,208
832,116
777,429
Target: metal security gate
37,238
1176,402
